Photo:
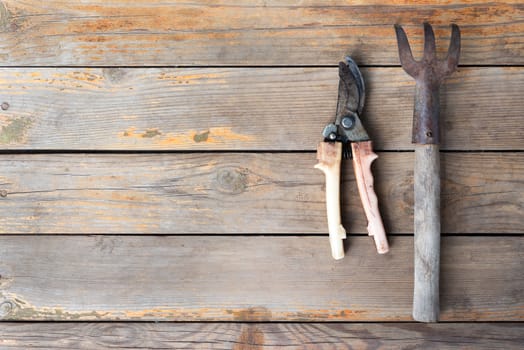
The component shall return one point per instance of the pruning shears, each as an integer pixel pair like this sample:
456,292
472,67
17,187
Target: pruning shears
346,137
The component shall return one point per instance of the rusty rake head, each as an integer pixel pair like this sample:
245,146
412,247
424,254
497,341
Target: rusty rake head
429,63
428,73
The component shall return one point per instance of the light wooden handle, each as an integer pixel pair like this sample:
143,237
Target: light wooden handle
427,233
329,155
363,156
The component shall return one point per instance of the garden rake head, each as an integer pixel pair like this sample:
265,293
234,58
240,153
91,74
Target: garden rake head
428,73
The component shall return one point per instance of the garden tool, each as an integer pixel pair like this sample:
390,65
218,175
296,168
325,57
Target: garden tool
428,74
347,137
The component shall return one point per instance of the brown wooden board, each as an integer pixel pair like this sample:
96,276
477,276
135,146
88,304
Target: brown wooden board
208,76
194,278
244,32
260,336
244,193
244,108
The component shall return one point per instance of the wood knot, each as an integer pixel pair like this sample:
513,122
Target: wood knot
111,331
5,308
114,75
231,180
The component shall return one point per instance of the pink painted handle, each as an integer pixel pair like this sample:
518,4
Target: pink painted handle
363,156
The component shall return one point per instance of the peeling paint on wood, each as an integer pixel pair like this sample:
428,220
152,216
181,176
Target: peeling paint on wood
246,108
14,130
244,193
245,33
18,309
246,279
216,136
250,279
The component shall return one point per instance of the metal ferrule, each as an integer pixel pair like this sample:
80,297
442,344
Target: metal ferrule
426,114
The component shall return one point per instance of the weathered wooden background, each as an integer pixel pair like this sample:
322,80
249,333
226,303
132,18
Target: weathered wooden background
157,165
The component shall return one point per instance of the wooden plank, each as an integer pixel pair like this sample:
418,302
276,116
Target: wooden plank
209,32
244,109
258,336
244,193
195,278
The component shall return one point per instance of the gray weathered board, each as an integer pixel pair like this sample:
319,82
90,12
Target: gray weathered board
246,32
263,336
205,76
243,108
244,193
224,278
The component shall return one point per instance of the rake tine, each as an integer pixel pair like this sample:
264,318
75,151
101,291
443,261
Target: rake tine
451,62
429,43
404,52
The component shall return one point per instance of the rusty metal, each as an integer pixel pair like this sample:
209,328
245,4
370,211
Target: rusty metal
347,126
428,73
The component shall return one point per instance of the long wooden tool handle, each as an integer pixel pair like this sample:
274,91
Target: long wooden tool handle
363,156
427,233
329,155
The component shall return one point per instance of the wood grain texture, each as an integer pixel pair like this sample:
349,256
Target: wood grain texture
427,230
363,157
247,278
244,193
244,32
258,336
244,109
194,278
329,156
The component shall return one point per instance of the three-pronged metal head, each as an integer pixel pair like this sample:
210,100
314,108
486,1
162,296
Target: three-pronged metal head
440,68
428,73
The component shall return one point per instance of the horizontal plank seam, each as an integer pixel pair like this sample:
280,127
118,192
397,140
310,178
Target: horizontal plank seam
238,235
254,322
185,66
225,151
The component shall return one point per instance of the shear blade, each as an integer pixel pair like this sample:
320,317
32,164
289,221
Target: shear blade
351,91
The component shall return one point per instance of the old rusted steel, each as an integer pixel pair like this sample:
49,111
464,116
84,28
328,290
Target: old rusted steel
428,74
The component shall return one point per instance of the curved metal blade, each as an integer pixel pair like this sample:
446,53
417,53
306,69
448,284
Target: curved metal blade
351,98
351,89
359,80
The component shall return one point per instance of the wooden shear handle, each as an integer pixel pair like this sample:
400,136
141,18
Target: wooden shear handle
329,155
363,156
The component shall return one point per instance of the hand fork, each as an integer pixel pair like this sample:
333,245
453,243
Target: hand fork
428,74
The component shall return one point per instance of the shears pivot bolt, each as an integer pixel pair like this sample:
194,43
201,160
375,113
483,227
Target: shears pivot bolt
348,122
